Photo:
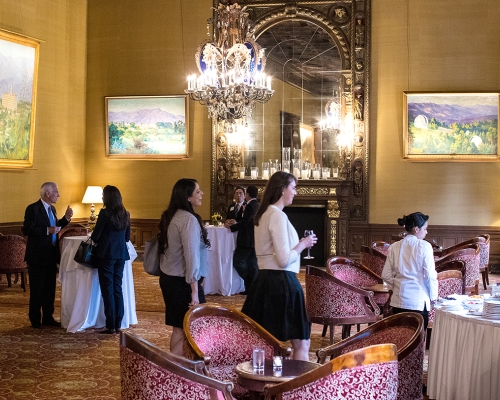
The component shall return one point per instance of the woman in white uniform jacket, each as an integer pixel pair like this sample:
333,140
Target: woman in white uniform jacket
409,270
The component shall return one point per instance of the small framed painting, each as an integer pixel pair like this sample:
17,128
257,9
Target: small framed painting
18,80
147,127
450,126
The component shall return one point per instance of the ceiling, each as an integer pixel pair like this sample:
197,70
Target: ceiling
302,54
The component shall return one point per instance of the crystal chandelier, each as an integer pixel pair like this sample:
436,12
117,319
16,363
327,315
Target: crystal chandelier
232,66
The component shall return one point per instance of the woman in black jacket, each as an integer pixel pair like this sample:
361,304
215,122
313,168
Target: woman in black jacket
111,233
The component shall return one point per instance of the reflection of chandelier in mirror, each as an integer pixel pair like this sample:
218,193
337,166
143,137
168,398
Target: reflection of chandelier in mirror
232,67
333,115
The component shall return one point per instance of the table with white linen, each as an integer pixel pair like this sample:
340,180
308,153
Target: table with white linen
464,357
81,301
222,278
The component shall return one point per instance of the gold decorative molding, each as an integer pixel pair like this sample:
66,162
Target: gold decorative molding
313,191
333,237
333,209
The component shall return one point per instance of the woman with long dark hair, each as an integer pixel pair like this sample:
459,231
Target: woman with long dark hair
111,234
275,299
182,245
409,270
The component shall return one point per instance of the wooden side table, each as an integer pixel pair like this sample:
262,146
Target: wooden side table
255,381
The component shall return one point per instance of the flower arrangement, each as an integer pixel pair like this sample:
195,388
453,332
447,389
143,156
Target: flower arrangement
215,219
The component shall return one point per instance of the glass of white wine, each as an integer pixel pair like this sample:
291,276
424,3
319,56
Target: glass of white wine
308,232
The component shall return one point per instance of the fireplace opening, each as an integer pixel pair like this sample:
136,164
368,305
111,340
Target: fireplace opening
311,217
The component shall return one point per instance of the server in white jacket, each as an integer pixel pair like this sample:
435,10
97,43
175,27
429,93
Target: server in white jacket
410,271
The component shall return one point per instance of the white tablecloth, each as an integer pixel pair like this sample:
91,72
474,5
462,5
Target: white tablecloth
464,357
81,301
222,277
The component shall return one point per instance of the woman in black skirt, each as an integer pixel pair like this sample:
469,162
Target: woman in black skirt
275,299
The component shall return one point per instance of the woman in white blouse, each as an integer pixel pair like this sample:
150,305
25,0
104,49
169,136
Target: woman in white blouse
275,299
409,270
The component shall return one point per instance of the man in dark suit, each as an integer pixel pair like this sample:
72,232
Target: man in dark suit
244,258
235,210
42,253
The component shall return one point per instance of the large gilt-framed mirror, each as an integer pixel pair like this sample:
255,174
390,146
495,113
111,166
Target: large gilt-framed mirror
318,56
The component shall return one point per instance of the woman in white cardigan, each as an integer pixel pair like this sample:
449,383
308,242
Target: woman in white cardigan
275,299
409,270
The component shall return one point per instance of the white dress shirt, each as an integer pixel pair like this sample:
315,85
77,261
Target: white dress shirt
410,273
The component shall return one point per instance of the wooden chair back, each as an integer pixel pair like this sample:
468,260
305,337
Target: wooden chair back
406,331
373,259
470,254
346,376
330,301
225,337
381,246
149,373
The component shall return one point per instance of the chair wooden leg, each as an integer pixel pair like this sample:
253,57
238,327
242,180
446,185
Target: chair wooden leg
483,275
23,281
325,327
16,279
9,280
332,333
487,273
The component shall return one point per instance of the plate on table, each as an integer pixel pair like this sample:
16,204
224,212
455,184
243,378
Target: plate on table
472,303
475,311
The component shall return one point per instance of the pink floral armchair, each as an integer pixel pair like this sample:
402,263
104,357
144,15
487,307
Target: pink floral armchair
331,302
224,338
373,259
470,254
381,246
149,373
353,375
12,249
406,331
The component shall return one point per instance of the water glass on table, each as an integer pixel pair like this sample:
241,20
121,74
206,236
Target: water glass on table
258,357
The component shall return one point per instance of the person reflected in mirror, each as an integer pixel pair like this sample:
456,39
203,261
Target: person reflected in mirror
276,299
244,258
182,245
42,254
235,209
111,234
409,270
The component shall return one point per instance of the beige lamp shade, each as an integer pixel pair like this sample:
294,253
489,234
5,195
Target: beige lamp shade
92,195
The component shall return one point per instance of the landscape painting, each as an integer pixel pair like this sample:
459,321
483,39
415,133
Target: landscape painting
145,127
18,80
451,126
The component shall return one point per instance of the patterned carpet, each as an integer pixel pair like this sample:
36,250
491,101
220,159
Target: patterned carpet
52,364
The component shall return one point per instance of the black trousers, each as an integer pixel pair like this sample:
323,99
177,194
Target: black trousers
110,280
424,313
245,264
42,290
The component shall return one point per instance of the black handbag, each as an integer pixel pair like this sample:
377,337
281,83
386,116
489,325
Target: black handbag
83,254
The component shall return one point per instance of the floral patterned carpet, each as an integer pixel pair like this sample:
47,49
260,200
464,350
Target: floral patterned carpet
52,364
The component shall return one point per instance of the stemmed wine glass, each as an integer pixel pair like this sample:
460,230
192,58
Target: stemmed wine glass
308,233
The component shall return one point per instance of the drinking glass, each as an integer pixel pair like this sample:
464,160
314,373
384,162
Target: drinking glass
258,356
308,233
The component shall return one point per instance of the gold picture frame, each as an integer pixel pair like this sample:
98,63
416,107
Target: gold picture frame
451,126
147,127
18,82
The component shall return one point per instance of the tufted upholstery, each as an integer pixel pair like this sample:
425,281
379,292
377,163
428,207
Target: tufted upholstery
148,373
330,301
470,254
373,259
370,372
405,330
226,337
12,249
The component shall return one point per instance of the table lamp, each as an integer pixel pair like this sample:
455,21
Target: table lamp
92,195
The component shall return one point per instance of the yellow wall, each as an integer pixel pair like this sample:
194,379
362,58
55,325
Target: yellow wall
145,48
425,45
60,108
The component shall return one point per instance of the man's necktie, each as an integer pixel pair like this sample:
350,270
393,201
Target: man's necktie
52,223
236,209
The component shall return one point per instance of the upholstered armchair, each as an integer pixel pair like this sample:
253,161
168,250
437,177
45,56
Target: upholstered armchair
71,231
225,337
484,249
371,371
373,259
381,246
12,249
331,302
149,373
358,275
406,331
470,254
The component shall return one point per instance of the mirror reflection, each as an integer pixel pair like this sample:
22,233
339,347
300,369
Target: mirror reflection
305,111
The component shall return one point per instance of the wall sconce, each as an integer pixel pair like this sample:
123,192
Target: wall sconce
92,195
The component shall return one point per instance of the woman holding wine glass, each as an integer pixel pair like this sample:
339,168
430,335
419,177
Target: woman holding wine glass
275,299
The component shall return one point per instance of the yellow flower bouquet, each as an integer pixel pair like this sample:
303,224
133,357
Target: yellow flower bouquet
215,219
